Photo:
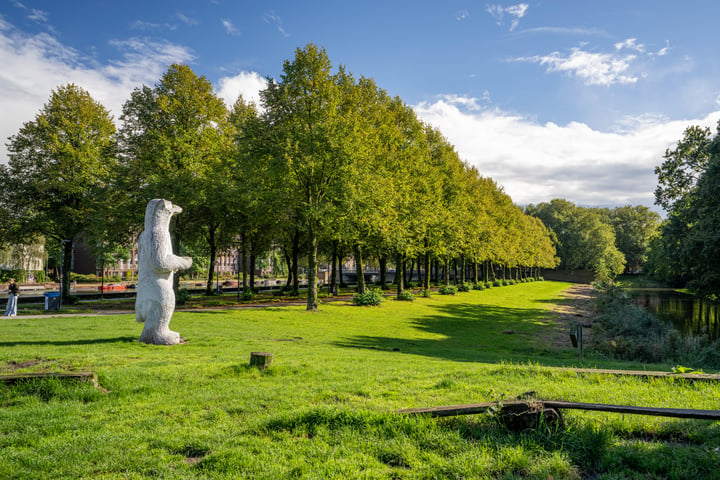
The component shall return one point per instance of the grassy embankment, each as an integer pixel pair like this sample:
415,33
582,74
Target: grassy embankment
322,410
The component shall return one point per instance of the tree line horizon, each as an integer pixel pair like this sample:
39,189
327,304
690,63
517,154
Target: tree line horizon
331,164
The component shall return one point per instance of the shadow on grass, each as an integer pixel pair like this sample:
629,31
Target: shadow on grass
473,333
85,341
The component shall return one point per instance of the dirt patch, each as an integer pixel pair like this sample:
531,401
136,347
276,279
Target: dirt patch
577,305
13,365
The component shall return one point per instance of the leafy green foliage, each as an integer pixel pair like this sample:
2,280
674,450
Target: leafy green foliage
182,296
581,238
372,297
406,295
448,290
465,287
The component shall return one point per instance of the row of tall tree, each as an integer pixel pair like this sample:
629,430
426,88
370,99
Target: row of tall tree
687,252
327,163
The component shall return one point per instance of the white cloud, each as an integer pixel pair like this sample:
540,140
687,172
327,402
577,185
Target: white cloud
564,31
38,16
272,19
631,44
516,12
462,15
34,65
663,51
189,21
229,27
593,68
538,162
247,84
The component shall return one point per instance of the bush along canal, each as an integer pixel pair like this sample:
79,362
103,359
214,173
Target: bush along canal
626,328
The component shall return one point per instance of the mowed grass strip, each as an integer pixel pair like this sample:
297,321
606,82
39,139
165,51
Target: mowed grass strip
324,408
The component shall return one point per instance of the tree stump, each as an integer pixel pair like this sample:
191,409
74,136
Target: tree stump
262,360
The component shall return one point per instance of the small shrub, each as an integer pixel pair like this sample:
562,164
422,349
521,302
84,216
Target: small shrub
182,296
406,296
497,283
426,293
488,284
512,282
479,286
540,279
372,297
448,290
465,287
247,294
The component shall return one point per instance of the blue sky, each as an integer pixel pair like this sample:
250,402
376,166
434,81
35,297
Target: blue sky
553,99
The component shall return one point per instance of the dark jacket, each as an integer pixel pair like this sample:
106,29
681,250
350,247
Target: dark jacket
13,288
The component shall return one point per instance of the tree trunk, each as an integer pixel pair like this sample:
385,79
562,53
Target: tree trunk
419,262
252,268
333,270
447,272
243,241
455,271
312,296
427,271
288,261
213,256
409,272
400,269
175,242
341,257
383,272
462,269
67,249
359,269
295,254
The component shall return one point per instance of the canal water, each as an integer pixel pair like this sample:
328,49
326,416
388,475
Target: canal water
687,313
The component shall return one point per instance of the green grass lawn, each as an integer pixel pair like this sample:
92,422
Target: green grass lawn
324,408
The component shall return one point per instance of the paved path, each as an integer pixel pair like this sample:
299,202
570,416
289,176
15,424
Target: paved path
240,306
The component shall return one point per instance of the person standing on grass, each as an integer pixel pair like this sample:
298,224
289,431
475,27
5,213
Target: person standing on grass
11,309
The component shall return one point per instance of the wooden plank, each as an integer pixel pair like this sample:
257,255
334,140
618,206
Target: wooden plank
82,376
633,410
452,410
711,377
471,409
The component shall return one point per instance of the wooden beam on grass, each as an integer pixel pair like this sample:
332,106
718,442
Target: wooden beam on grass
475,408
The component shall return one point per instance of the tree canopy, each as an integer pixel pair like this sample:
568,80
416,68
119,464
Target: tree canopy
328,163
60,166
687,250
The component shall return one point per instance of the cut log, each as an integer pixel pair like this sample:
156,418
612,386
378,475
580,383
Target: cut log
262,360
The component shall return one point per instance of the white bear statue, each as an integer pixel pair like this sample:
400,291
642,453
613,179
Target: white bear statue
155,301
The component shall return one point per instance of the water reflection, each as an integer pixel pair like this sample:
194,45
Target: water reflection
688,313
